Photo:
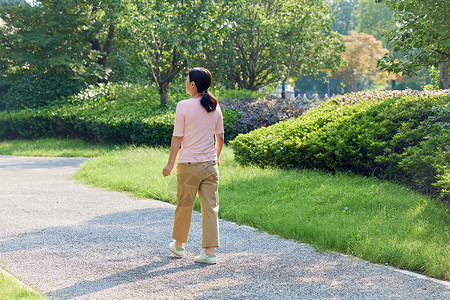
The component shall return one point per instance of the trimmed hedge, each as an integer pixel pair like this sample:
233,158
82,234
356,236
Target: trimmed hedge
397,136
112,113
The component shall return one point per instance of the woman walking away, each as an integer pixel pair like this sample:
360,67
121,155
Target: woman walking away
197,121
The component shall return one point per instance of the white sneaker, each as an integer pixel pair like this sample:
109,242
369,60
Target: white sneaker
176,251
203,258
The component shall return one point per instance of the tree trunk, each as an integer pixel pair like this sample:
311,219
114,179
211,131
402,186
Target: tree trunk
444,75
283,90
103,60
96,45
164,92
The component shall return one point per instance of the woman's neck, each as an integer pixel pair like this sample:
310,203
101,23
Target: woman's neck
196,95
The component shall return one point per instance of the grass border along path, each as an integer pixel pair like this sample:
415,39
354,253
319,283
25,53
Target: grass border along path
12,288
53,148
379,221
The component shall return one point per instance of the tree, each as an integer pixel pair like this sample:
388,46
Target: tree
344,14
363,51
374,19
421,35
103,16
306,42
245,52
268,41
37,39
168,35
51,49
58,36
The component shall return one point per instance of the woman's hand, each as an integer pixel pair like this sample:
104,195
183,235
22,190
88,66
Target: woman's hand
167,169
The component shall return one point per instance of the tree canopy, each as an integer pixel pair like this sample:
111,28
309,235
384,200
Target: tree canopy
363,51
307,43
248,43
268,42
345,15
61,36
421,35
374,19
168,35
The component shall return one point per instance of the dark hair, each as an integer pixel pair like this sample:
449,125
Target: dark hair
203,80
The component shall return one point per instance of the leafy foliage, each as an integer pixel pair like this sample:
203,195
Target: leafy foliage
267,41
306,42
363,51
421,34
168,35
50,37
404,138
375,19
49,50
35,90
345,15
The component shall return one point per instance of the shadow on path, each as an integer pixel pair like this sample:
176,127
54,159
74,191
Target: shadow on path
124,256
149,271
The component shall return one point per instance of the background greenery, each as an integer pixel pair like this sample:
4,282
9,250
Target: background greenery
130,113
247,44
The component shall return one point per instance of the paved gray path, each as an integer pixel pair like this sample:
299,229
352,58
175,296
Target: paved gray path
76,242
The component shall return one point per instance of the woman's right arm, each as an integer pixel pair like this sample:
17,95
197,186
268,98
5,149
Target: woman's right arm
219,144
175,145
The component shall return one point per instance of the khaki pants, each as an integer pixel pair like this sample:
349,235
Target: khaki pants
202,178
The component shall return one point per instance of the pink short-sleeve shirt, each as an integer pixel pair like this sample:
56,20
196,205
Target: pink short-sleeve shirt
197,127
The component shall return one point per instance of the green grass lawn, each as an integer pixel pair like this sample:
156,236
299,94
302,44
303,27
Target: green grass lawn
11,289
53,148
379,221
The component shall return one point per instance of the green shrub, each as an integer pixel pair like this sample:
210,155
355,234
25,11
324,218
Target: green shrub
37,90
403,138
111,113
230,118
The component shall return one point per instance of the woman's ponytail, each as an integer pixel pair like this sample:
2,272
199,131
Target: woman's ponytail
203,80
208,101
